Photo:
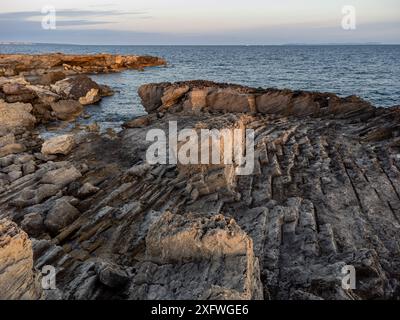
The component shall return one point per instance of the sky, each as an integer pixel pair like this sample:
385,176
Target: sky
212,22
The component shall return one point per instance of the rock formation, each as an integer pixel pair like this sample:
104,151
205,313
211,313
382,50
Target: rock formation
324,194
17,277
47,65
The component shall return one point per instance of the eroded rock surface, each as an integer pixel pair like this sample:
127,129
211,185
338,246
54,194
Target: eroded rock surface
17,277
15,64
324,193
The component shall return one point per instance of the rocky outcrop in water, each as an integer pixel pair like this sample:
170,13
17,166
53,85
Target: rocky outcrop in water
324,194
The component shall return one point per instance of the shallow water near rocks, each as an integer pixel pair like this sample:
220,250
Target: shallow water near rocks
369,71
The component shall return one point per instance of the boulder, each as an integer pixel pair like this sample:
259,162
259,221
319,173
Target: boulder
33,224
67,110
45,96
17,92
14,115
76,87
61,215
111,275
61,177
59,145
92,97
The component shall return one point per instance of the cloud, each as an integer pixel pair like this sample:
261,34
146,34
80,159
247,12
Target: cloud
91,27
67,17
70,13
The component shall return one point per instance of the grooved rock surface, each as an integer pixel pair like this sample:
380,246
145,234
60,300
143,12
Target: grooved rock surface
324,194
17,278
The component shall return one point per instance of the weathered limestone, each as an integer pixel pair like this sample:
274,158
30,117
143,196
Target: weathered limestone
91,97
17,277
59,145
210,96
179,244
16,115
14,64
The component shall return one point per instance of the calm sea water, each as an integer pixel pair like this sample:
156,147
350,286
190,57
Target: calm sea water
372,72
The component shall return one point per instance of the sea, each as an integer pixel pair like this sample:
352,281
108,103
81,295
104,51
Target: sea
369,71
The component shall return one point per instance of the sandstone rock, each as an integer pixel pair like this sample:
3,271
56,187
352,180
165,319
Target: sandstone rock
174,238
61,215
16,115
92,97
11,149
228,101
197,99
172,95
181,243
17,279
67,110
61,177
14,64
59,145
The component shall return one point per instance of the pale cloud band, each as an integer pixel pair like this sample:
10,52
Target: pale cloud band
205,22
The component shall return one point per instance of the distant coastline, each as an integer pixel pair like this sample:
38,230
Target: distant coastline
202,45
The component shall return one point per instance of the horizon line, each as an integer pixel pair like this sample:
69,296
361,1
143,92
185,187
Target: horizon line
205,44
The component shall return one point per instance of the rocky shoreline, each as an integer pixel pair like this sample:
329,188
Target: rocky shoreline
34,65
324,194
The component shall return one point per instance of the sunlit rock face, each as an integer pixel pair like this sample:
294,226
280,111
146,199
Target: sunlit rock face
323,195
24,64
17,277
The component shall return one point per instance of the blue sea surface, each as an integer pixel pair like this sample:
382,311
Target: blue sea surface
369,71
